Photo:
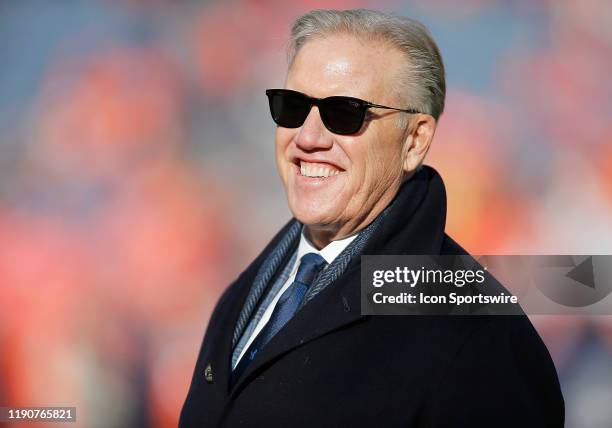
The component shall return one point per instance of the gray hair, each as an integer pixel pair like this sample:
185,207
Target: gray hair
421,83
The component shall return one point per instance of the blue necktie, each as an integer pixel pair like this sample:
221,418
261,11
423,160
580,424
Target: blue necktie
285,309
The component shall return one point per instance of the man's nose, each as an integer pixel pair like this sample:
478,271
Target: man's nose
313,134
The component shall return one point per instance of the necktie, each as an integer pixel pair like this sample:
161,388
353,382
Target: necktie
285,309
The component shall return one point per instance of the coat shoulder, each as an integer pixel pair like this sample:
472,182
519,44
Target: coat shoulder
451,247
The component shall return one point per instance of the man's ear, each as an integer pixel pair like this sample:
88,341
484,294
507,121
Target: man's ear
420,133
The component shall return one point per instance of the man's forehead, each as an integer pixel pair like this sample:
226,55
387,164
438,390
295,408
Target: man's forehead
339,67
343,63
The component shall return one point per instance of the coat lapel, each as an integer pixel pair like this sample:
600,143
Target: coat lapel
221,344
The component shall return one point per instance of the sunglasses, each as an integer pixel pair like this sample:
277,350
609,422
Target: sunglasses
341,115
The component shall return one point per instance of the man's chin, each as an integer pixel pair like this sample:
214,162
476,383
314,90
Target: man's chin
313,219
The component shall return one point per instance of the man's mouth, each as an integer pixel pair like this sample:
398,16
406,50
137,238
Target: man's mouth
317,170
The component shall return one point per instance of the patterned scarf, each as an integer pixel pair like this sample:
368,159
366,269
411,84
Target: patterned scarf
324,279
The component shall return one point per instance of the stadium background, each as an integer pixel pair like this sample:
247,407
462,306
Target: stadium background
137,179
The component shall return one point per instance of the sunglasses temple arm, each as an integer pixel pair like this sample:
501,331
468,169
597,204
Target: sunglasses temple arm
410,110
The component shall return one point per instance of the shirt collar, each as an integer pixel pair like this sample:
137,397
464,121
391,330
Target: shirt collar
329,252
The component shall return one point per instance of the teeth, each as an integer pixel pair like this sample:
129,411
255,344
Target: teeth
313,170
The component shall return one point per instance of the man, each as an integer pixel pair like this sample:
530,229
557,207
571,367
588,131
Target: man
286,344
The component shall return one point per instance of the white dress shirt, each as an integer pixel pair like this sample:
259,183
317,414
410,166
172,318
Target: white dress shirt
329,253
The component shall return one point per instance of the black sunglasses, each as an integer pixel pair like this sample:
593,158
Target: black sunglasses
341,115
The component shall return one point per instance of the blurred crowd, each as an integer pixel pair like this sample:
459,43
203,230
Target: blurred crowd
135,135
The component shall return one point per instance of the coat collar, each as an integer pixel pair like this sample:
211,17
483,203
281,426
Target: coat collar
414,224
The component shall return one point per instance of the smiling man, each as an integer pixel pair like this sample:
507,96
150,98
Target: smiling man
337,184
287,344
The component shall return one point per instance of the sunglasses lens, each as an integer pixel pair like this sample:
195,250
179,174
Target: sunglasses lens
289,109
342,115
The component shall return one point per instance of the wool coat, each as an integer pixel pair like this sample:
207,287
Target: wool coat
331,366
